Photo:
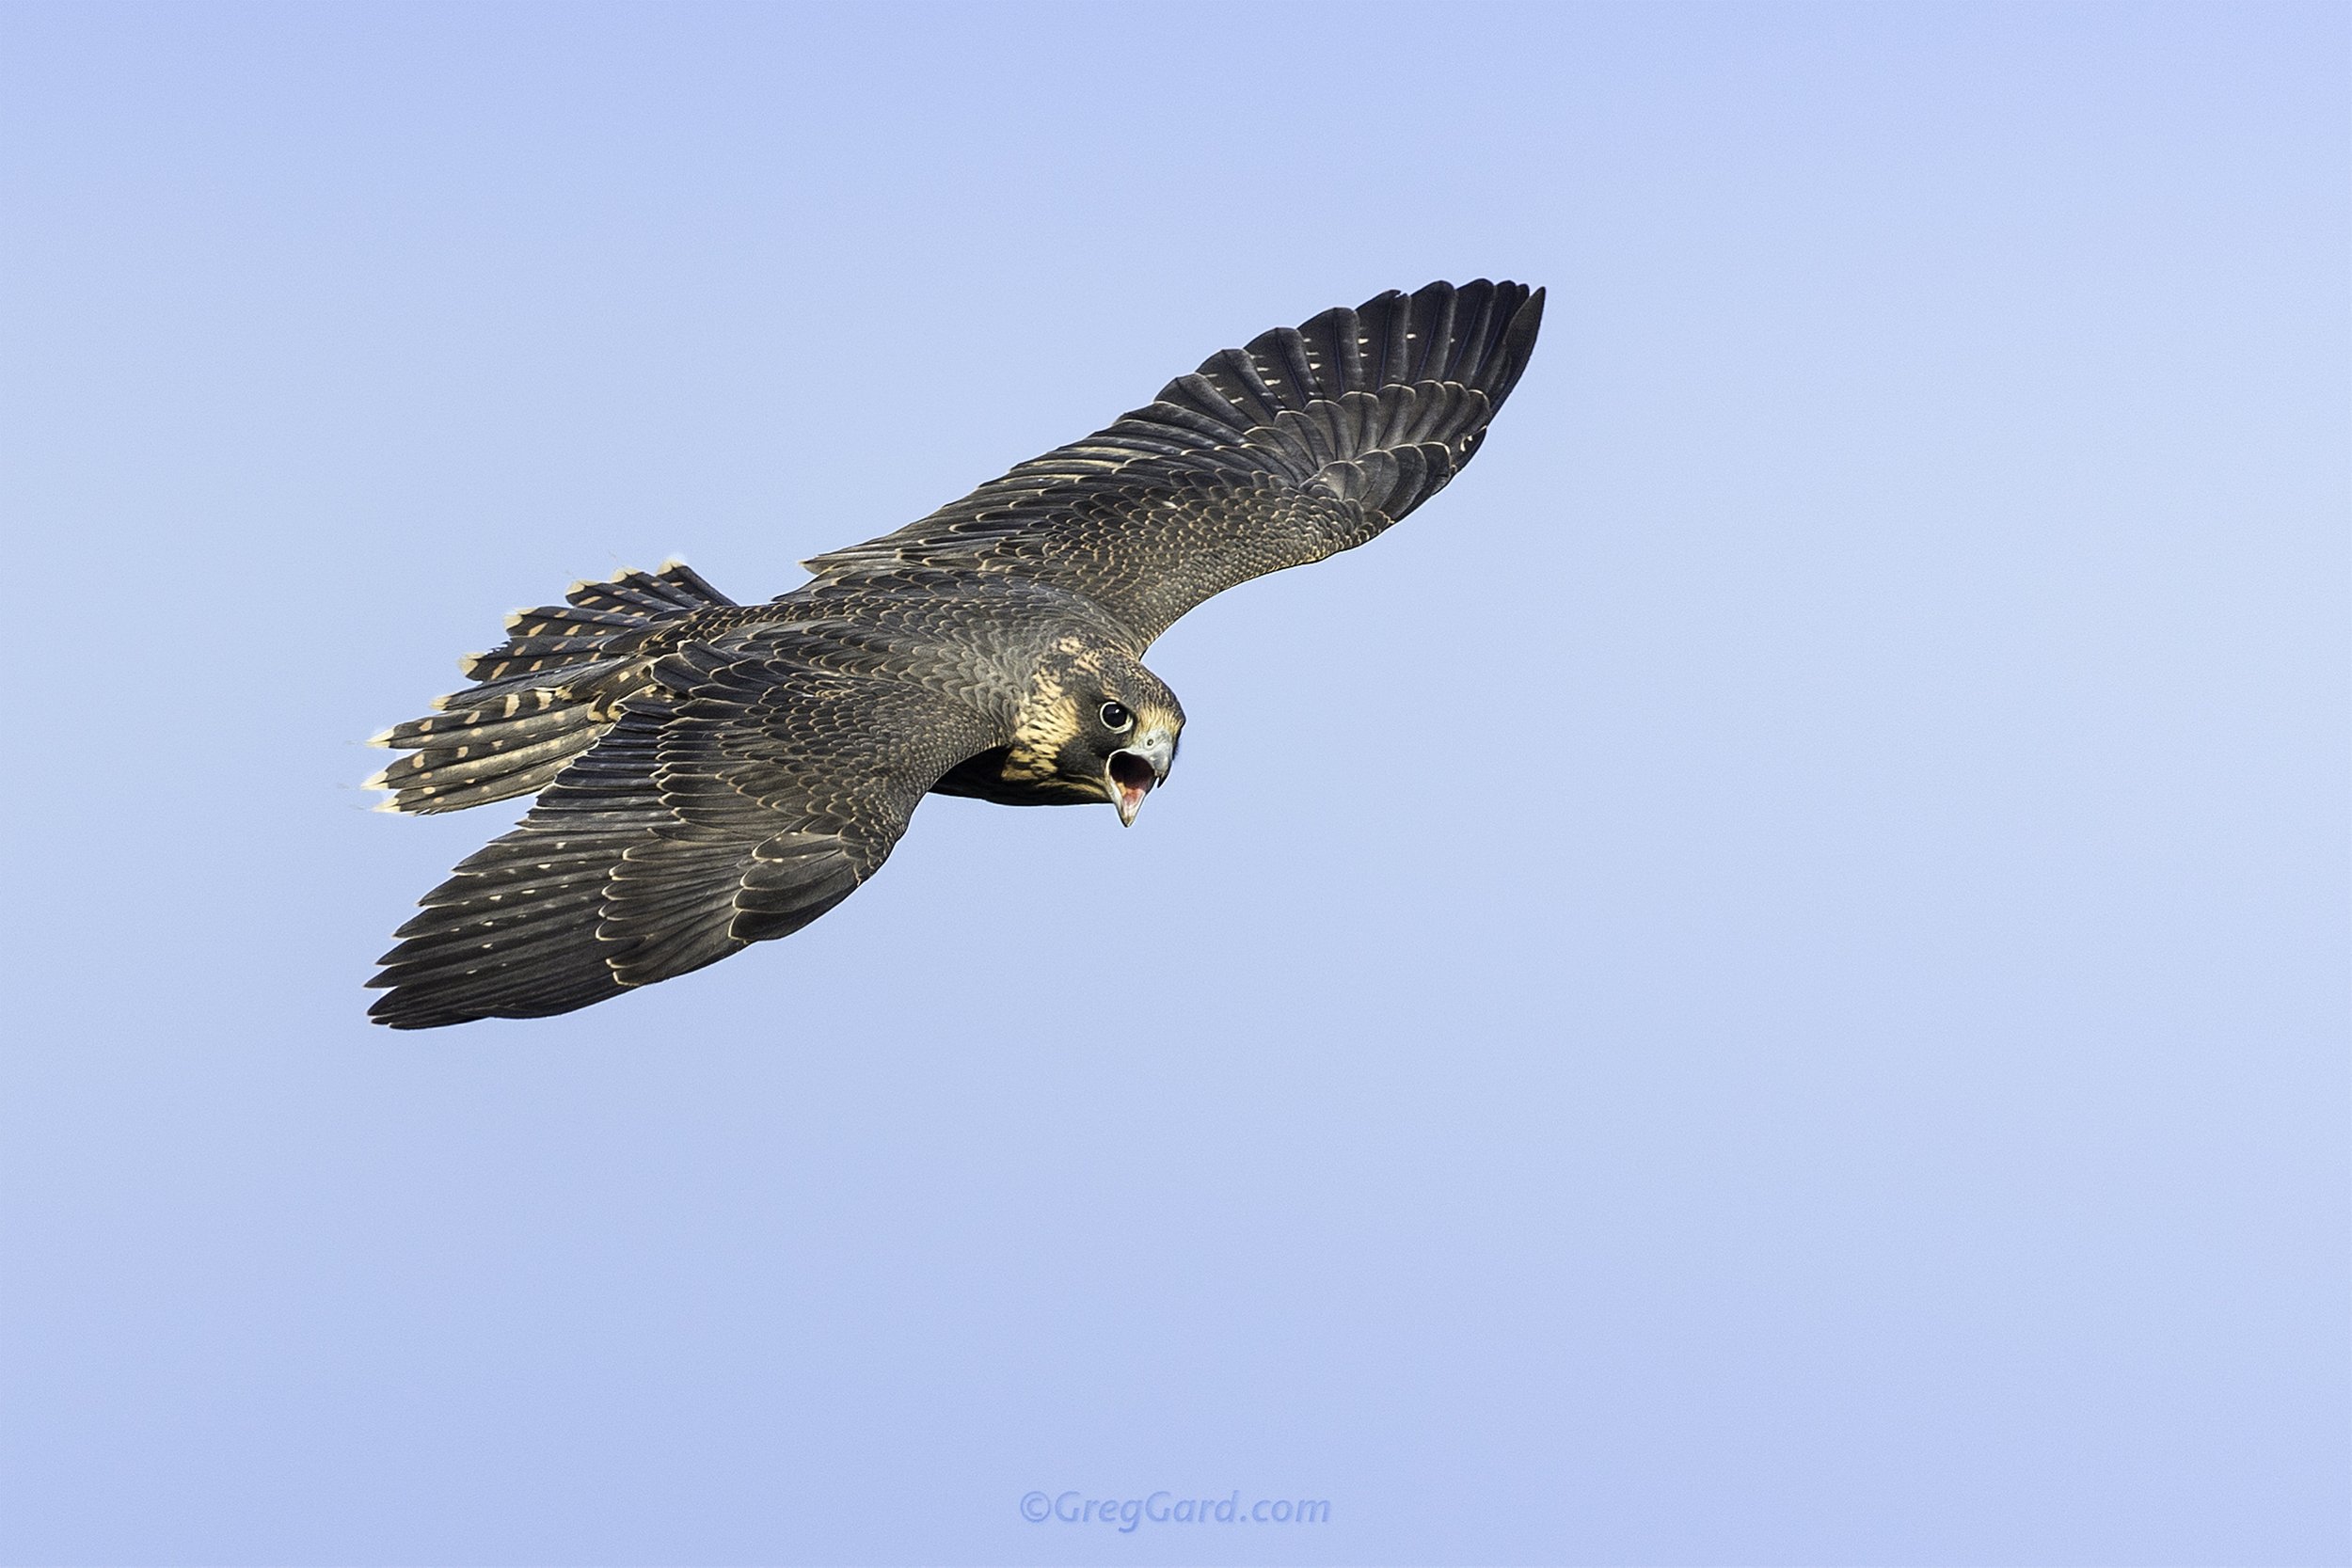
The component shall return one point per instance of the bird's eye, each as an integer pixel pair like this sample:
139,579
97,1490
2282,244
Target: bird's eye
1116,718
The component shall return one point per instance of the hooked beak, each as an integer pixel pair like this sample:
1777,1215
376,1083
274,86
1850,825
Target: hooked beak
1133,771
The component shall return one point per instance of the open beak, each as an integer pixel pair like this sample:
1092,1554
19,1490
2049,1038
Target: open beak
1135,769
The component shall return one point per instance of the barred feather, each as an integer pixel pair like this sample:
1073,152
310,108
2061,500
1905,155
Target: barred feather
1308,440
540,699
710,775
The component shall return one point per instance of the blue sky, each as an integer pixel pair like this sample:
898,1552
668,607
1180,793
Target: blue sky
1761,982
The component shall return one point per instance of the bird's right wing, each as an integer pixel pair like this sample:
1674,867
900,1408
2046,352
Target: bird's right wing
1307,442
746,794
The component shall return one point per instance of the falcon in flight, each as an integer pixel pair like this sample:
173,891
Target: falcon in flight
712,774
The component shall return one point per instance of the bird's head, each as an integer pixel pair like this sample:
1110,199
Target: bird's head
1096,725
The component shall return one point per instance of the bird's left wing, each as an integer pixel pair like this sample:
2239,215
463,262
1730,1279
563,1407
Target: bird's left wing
742,797
1308,441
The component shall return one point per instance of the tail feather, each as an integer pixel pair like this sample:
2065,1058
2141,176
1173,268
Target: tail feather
569,620
528,656
498,754
676,589
542,698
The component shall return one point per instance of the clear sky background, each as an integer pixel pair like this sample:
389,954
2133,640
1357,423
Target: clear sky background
1762,982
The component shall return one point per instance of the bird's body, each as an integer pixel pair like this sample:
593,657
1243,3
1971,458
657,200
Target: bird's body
713,774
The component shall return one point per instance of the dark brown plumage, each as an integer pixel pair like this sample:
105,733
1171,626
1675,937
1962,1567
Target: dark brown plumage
713,774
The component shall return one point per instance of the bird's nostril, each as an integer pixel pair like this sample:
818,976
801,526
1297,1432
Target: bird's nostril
1130,771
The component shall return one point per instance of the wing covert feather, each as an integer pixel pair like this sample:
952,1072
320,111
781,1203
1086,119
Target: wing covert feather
1307,441
744,796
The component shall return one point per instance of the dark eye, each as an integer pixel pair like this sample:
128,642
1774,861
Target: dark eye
1115,717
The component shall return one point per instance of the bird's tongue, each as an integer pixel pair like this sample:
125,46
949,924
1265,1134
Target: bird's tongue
1134,778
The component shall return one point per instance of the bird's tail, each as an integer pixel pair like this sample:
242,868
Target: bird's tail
542,697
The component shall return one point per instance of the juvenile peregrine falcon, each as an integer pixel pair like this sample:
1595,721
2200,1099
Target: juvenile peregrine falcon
712,774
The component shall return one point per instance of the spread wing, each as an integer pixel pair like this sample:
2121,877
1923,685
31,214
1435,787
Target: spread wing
743,795
1307,442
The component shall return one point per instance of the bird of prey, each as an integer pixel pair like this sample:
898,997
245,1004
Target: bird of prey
712,774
